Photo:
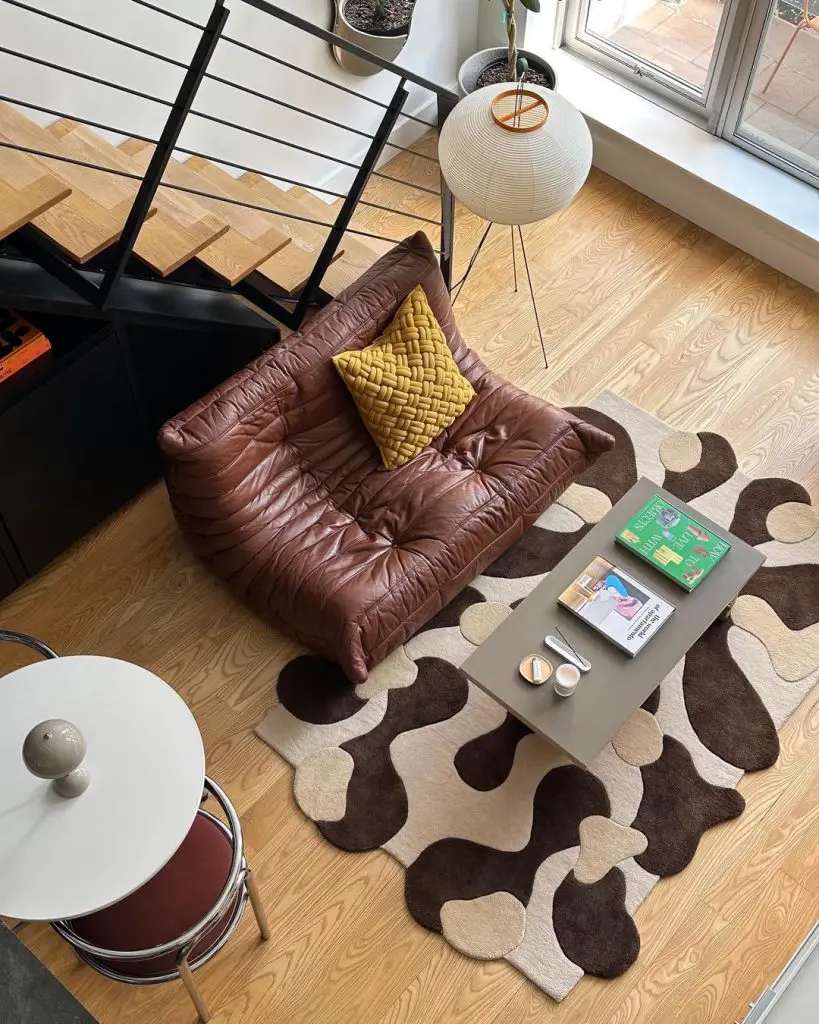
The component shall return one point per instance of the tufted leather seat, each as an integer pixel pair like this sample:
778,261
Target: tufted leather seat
278,486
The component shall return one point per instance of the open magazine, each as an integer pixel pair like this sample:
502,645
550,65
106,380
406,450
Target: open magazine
617,605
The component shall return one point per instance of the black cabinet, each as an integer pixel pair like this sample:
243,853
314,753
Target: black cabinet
172,369
74,450
12,572
8,577
78,431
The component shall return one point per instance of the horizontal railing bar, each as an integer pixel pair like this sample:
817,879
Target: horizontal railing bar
169,14
63,159
274,138
407,149
344,44
96,32
286,214
318,78
407,184
179,149
299,184
392,209
74,117
306,149
198,192
309,113
88,78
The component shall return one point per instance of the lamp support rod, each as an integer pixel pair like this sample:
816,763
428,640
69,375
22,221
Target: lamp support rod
473,259
534,300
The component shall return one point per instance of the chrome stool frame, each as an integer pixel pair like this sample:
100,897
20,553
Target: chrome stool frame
240,883
240,886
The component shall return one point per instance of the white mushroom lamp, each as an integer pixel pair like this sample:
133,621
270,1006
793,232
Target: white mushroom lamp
515,154
55,749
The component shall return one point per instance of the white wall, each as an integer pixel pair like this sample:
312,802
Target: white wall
491,30
444,33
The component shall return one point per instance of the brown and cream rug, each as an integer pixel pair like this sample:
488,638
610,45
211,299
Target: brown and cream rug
509,850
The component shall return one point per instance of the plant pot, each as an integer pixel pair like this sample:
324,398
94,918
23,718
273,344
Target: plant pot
478,62
389,46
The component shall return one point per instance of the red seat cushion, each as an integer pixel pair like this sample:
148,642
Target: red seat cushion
173,901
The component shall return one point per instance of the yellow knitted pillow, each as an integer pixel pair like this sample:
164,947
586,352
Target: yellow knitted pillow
406,386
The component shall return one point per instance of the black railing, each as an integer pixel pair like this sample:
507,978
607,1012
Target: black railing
290,310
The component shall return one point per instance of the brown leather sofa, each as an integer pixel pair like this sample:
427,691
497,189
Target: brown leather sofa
278,486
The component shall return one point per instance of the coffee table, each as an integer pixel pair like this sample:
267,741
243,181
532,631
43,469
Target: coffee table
582,725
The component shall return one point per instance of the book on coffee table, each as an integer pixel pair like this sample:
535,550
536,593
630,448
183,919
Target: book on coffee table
672,542
621,608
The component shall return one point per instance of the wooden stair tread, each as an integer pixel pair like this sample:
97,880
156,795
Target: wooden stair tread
319,209
27,189
308,238
291,267
234,255
93,215
178,231
356,257
359,254
312,234
182,206
254,224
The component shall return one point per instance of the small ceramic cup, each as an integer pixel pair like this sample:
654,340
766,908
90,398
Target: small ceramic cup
566,679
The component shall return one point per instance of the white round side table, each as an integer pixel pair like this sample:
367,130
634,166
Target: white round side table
63,858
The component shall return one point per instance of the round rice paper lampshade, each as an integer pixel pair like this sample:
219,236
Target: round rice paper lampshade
515,159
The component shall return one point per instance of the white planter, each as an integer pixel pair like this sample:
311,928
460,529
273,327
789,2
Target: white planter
474,65
388,47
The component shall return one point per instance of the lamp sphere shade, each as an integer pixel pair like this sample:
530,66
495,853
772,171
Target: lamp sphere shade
514,177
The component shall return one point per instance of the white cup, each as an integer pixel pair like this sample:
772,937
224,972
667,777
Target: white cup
566,679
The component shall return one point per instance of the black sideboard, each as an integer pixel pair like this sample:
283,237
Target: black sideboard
78,428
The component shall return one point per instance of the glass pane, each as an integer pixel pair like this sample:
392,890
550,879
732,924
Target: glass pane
677,37
782,109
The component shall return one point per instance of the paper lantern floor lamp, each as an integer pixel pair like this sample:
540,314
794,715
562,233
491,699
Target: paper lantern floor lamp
514,154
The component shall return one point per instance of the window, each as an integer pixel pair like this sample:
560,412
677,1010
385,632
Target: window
747,70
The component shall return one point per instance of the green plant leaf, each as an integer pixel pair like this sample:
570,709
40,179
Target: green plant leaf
532,5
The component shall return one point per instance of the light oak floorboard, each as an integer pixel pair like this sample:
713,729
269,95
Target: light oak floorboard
633,298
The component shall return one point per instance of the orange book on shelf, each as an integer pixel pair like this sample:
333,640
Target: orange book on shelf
20,343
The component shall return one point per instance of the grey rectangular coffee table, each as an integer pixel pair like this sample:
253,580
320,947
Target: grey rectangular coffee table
581,725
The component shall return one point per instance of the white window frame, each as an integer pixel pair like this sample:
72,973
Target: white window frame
718,106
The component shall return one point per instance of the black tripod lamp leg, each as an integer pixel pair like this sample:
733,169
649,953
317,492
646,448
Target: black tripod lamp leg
534,300
471,263
514,259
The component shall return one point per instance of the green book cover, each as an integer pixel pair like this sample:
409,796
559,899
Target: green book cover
666,538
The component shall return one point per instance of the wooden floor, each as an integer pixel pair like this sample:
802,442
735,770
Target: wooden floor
634,299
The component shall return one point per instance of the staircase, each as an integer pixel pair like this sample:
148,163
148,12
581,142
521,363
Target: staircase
98,217
83,211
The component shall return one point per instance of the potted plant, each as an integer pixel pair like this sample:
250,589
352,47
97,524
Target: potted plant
380,26
506,63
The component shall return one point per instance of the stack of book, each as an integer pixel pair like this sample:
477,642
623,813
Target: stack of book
623,608
20,343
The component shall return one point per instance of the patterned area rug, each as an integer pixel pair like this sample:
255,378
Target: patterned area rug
511,851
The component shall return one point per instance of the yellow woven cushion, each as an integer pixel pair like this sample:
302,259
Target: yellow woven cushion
407,387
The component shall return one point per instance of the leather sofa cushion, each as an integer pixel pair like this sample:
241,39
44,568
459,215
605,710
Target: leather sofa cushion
277,485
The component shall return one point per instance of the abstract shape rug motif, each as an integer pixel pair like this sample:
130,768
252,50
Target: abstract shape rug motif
510,851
